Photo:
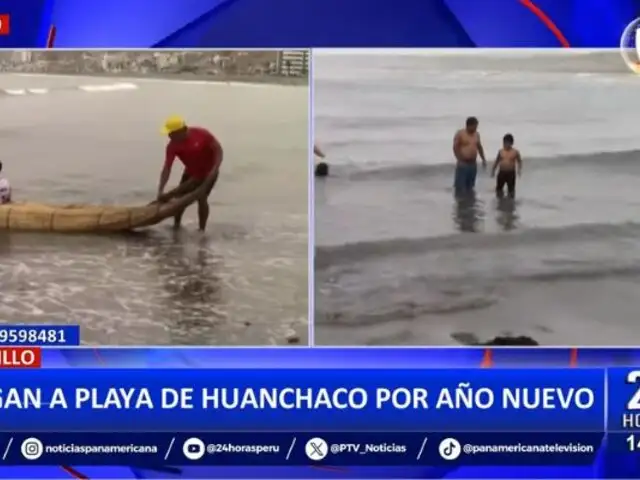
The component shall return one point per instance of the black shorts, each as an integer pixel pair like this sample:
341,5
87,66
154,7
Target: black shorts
185,178
508,179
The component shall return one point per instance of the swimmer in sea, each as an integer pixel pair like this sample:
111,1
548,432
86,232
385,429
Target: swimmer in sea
508,164
322,168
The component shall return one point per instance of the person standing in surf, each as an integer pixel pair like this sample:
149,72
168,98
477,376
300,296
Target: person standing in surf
201,154
5,189
466,148
507,164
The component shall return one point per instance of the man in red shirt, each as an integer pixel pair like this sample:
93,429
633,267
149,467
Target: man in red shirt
200,152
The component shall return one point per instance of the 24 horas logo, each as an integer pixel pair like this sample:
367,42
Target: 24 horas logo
630,46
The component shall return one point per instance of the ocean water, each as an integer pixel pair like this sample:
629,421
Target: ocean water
400,262
243,283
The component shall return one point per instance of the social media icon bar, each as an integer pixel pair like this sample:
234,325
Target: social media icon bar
316,449
449,449
32,448
193,449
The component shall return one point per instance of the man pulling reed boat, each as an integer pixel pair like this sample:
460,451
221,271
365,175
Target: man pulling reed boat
200,153
196,148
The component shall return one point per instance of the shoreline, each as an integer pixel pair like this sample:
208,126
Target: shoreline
184,77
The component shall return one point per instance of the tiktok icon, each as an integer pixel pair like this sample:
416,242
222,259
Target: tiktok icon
449,449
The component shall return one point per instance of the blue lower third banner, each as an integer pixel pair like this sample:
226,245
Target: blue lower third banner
302,448
448,400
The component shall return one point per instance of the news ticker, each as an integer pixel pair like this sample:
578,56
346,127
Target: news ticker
180,399
303,448
170,399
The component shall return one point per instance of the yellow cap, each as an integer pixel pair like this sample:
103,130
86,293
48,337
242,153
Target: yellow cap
173,124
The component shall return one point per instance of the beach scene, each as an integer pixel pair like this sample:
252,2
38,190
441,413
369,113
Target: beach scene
86,129
401,261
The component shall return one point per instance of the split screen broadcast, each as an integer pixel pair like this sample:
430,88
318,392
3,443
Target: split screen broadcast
369,197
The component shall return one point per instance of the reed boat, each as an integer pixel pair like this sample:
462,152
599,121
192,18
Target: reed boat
39,217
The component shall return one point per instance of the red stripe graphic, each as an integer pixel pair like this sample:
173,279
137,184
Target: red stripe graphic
51,38
487,359
74,473
537,11
573,357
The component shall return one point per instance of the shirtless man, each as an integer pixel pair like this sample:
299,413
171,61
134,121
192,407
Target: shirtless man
508,163
466,148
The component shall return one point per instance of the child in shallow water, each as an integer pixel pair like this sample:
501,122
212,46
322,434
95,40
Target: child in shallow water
508,163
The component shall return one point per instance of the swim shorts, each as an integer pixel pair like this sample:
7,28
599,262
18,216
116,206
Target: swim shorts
465,177
508,179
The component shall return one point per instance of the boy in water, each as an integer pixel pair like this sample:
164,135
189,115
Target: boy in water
508,164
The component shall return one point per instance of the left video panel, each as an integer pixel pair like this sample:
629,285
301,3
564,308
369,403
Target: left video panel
90,237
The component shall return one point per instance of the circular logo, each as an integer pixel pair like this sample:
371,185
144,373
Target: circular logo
316,449
630,46
32,448
449,449
193,449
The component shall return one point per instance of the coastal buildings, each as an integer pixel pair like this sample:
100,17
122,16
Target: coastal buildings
256,64
293,63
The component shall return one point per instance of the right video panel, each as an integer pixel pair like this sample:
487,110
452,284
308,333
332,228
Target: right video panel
476,197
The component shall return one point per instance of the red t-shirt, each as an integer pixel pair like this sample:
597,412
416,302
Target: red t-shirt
197,152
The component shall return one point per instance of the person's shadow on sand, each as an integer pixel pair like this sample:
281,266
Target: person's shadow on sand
468,213
507,215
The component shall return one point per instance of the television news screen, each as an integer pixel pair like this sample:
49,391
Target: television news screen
180,412
273,239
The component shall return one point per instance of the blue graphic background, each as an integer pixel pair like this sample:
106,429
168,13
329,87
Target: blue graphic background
317,23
